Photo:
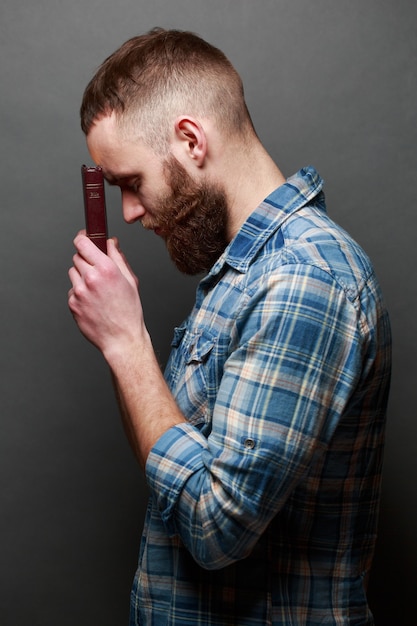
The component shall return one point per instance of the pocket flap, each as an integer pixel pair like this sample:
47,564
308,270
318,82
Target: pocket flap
200,346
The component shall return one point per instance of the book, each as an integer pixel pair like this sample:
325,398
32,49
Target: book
95,205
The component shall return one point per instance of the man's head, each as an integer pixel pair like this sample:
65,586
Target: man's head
189,212
154,78
165,117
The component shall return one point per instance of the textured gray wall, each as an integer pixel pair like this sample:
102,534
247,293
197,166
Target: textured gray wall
328,83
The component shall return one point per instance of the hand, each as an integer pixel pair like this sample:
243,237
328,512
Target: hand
104,298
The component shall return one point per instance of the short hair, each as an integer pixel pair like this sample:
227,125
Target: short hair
153,78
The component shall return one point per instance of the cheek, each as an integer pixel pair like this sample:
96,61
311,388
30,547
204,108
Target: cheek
155,196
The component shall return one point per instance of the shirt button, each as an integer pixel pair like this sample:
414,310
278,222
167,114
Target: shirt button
249,444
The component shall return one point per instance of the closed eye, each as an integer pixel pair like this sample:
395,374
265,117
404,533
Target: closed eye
129,183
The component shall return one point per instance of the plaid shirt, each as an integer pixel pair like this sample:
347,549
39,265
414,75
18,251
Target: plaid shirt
263,507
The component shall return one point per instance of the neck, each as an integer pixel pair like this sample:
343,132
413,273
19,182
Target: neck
251,179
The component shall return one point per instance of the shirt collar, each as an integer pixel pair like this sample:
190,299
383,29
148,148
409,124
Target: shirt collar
295,193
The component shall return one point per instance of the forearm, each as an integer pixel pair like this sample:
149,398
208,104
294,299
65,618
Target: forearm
146,404
105,303
124,416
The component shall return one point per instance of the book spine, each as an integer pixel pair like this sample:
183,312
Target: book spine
95,206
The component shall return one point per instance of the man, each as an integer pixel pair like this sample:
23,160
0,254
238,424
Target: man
262,446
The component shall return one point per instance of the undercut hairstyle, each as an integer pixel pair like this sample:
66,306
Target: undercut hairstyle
153,78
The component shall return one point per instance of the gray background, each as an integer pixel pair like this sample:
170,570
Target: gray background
328,83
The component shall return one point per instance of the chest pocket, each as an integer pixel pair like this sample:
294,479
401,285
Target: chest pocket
191,373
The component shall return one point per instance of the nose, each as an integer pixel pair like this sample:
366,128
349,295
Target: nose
131,207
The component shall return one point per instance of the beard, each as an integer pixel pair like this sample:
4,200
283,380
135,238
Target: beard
192,219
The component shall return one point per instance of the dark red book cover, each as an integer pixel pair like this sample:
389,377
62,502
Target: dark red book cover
95,205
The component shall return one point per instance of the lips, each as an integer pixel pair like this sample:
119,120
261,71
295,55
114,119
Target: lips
160,232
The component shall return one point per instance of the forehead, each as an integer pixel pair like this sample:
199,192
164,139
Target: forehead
119,157
103,139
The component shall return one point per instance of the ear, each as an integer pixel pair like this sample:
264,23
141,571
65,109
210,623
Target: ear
192,137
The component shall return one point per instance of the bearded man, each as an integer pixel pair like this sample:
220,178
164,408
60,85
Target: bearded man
262,444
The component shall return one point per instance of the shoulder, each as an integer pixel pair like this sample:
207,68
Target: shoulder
310,239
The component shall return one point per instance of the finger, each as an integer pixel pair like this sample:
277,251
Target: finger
116,242
72,297
120,260
87,249
81,265
119,254
74,276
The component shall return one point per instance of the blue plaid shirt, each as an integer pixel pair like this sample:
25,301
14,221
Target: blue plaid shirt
263,507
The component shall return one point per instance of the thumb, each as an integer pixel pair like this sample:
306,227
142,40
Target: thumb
117,256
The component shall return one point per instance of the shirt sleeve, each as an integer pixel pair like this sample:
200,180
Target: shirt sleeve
295,364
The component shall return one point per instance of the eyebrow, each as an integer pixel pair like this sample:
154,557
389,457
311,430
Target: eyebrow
112,179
